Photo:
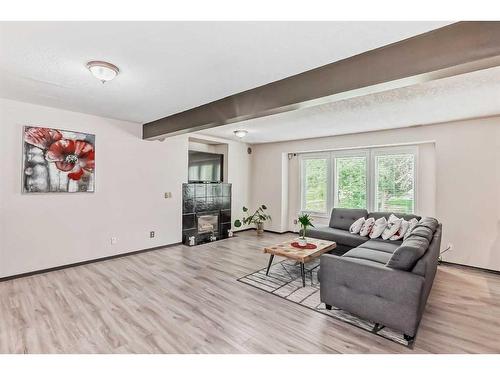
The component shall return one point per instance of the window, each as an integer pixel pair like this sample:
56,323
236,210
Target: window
378,179
394,182
350,178
314,184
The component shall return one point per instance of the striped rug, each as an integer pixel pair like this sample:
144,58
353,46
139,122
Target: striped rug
284,281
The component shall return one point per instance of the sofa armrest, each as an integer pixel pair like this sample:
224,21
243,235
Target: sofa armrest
390,284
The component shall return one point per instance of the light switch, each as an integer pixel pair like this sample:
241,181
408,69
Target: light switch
168,194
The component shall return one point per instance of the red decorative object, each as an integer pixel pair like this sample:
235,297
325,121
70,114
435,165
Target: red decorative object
309,246
73,156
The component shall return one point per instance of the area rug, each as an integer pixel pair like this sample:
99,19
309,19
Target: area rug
284,281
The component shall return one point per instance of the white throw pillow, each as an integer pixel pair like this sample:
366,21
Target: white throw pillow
378,227
392,227
411,225
367,226
356,226
401,231
393,218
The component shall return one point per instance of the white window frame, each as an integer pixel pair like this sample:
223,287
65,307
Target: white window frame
333,181
370,153
413,150
302,158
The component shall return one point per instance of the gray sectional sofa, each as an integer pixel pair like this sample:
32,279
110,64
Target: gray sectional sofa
386,282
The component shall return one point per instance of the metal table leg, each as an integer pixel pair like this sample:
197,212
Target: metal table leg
303,274
270,264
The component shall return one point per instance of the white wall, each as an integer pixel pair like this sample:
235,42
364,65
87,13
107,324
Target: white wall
459,181
48,230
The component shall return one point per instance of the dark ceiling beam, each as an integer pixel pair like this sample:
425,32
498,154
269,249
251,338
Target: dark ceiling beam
451,50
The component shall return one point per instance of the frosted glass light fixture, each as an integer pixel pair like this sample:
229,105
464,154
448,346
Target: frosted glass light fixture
240,133
102,70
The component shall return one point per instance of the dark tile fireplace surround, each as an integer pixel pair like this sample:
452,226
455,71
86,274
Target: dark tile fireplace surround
206,211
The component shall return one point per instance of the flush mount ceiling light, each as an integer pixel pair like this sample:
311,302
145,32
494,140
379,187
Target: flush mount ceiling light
240,133
102,70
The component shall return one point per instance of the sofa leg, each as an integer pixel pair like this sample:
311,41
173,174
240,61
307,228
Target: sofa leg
409,338
328,307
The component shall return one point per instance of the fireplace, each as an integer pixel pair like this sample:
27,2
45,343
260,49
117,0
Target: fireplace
206,212
207,223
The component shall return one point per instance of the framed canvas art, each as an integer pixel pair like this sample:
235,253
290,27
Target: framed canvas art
57,161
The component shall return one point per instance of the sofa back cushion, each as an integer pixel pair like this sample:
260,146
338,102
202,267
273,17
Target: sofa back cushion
342,218
378,215
424,228
410,251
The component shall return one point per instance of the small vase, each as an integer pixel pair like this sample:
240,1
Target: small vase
260,229
302,241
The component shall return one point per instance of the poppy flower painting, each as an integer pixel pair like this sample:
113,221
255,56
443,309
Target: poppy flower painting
58,161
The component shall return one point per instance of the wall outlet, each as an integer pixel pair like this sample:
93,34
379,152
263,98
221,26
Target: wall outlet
114,240
295,221
168,194
152,234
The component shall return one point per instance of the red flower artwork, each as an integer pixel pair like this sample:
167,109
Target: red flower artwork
42,137
72,156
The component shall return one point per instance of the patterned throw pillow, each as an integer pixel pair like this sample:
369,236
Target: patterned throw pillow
411,224
367,226
401,231
393,226
356,226
378,227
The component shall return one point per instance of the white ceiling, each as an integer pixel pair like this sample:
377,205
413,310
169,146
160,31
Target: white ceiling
167,67
469,95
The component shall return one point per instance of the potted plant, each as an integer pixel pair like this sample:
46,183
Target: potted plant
257,218
305,221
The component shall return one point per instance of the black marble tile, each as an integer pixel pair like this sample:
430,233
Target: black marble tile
225,216
214,190
200,190
187,191
226,190
188,221
224,228
226,203
188,206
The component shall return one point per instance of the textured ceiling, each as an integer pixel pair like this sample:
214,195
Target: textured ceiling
469,95
167,67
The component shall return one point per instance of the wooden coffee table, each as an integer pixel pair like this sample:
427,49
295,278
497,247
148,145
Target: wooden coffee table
301,256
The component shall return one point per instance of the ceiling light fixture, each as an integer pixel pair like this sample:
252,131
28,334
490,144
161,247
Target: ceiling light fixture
102,70
240,133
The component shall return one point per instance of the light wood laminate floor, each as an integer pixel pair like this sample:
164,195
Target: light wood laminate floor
187,300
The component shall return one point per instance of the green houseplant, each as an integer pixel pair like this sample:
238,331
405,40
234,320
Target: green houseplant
257,218
305,221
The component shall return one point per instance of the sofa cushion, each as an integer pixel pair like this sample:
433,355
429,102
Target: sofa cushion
411,225
368,254
428,222
410,251
342,218
421,232
381,245
340,236
387,215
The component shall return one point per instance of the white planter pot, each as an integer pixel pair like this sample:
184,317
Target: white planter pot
302,242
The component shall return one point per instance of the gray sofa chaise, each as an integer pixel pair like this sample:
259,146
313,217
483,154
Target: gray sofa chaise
386,282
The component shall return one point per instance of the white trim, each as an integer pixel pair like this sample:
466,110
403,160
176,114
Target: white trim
321,156
368,147
347,153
